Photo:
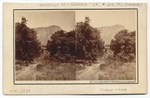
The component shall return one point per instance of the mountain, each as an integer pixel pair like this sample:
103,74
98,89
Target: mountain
108,32
44,33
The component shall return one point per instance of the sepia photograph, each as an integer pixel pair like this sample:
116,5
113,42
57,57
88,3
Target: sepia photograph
74,48
75,45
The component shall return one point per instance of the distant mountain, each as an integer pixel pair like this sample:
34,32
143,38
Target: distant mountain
108,32
44,33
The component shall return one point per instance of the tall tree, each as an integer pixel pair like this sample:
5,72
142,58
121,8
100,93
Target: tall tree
89,43
27,47
82,43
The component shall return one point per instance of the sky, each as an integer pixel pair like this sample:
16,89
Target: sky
126,18
67,19
45,18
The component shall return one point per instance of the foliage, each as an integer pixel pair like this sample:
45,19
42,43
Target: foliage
27,47
89,44
62,45
82,43
123,45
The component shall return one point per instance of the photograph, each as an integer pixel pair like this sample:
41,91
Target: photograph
75,48
58,45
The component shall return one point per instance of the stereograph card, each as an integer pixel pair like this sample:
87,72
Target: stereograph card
74,48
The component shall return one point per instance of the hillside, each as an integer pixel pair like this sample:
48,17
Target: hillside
108,32
44,33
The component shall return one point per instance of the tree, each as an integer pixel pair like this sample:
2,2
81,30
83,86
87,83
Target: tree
123,45
62,45
83,43
89,43
27,47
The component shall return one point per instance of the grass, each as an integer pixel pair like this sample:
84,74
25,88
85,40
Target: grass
107,68
111,70
117,70
56,71
47,71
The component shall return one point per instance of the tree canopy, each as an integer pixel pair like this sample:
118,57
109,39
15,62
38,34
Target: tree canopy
27,47
89,43
123,45
62,45
82,43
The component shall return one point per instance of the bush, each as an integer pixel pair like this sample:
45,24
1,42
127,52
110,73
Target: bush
123,46
62,45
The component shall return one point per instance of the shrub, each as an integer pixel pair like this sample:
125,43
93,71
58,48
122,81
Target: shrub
123,46
62,45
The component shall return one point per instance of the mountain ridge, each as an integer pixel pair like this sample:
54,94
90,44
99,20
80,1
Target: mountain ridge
107,32
44,33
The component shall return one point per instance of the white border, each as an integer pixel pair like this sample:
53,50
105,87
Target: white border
65,96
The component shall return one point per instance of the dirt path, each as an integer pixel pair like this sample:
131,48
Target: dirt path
27,73
89,73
